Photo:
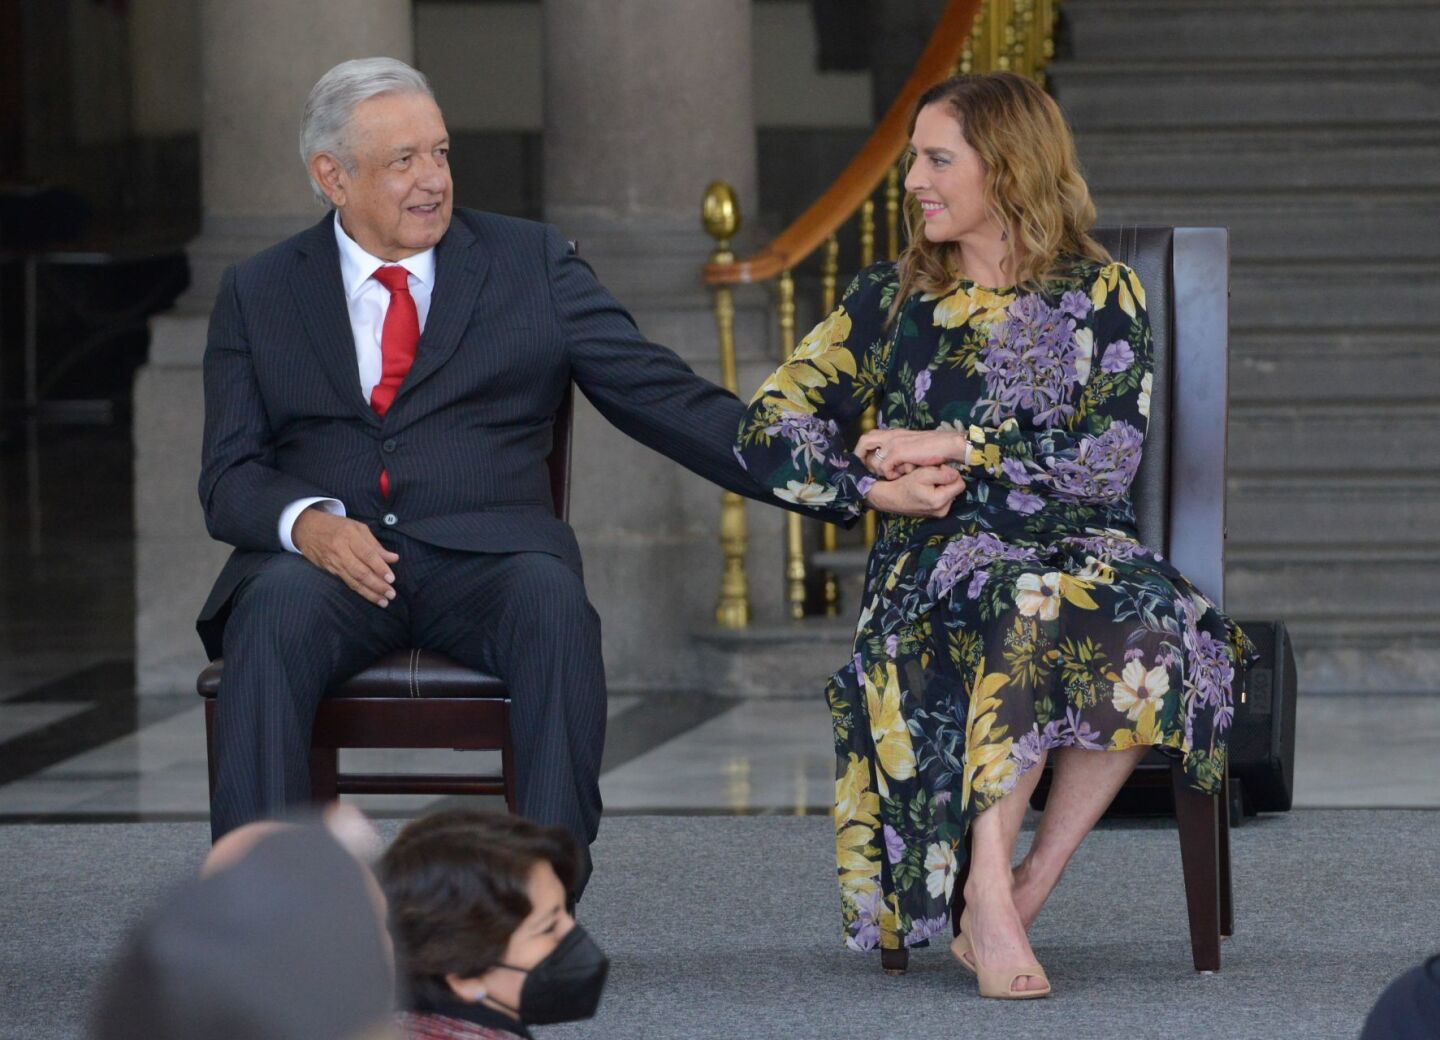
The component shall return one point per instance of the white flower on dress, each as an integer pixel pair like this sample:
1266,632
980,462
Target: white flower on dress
940,864
1038,595
807,493
1146,385
1085,341
1139,689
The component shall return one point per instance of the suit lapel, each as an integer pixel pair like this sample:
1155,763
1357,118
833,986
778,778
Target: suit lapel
461,264
320,296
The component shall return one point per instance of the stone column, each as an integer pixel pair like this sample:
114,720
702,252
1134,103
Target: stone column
259,59
646,102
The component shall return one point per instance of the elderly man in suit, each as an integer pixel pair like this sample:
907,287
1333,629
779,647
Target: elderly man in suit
379,396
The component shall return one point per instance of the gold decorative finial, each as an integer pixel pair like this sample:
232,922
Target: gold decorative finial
720,213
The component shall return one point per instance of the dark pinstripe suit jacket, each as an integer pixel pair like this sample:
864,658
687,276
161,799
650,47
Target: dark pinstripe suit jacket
514,315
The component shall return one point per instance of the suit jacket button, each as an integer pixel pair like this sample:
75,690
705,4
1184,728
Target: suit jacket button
390,519
389,445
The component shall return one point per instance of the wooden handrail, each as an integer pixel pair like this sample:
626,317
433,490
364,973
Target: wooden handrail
865,172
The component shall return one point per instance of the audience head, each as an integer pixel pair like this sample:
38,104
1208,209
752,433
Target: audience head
375,145
993,155
282,939
478,912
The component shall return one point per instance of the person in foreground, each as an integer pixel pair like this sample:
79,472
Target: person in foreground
380,392
1010,613
477,909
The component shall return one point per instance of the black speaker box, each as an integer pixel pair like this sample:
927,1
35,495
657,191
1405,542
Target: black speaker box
1261,742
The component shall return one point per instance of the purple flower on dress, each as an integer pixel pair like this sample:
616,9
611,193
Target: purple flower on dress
1076,304
964,555
977,582
1015,472
1133,654
926,928
865,931
892,646
1024,502
1031,362
740,458
1080,731
1108,547
922,385
1026,751
1118,357
863,486
810,436
1102,468
894,845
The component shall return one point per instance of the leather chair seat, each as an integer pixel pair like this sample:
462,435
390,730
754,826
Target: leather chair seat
404,673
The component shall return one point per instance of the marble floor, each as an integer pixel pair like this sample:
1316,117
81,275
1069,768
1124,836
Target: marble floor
76,744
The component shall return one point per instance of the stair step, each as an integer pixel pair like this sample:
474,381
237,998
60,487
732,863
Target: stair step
1305,367
1336,438
842,561
1118,31
1332,588
1326,518
1291,295
1290,227
790,660
1259,94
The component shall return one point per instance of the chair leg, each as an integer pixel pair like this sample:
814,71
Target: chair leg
1197,815
507,770
324,775
210,744
1227,889
895,962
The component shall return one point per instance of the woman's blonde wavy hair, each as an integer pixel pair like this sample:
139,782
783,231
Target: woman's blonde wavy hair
1033,187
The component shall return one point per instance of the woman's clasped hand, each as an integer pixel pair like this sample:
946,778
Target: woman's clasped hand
918,470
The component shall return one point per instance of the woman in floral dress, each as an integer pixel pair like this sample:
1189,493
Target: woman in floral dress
1010,613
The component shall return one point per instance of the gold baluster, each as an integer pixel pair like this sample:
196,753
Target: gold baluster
1020,35
794,529
892,213
867,257
829,540
720,214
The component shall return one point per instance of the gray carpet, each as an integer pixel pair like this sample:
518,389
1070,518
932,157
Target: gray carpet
727,927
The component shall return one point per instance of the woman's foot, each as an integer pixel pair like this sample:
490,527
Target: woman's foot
1031,890
993,939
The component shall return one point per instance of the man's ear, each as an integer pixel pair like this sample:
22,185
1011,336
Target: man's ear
471,990
331,177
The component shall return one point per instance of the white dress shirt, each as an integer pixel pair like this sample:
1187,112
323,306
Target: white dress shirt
367,300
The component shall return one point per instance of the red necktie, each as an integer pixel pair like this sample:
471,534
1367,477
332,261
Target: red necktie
398,337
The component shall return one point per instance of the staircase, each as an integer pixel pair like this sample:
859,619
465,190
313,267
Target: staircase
1311,130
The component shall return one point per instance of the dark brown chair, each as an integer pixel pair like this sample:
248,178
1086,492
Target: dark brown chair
1179,497
413,699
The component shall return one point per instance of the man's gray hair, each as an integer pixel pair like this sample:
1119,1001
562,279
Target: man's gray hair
325,125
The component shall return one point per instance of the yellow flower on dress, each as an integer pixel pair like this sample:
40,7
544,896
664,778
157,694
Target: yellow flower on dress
974,303
940,866
1039,595
1119,279
1139,690
1143,402
888,730
857,858
1096,572
1085,341
854,801
816,362
987,764
806,493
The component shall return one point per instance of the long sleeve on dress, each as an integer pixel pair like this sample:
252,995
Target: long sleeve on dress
1088,451
791,436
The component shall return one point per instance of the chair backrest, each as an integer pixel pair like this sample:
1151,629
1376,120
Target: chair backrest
1179,492
559,458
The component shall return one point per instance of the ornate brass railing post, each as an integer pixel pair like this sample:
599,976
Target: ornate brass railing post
892,213
720,214
794,523
867,257
829,537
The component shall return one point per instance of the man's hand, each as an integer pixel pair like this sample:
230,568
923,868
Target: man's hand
924,491
893,453
348,550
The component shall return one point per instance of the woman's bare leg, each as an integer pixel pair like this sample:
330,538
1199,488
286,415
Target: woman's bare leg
996,931
1082,785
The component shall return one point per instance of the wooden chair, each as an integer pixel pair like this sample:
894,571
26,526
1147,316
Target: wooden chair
413,699
1179,497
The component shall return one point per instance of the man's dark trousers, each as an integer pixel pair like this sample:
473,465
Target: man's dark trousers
295,631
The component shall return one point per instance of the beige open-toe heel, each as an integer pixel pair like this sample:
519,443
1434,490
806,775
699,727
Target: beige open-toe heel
996,983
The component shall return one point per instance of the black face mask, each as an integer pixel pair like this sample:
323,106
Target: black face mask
566,985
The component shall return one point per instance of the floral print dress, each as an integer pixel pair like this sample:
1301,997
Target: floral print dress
1030,617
